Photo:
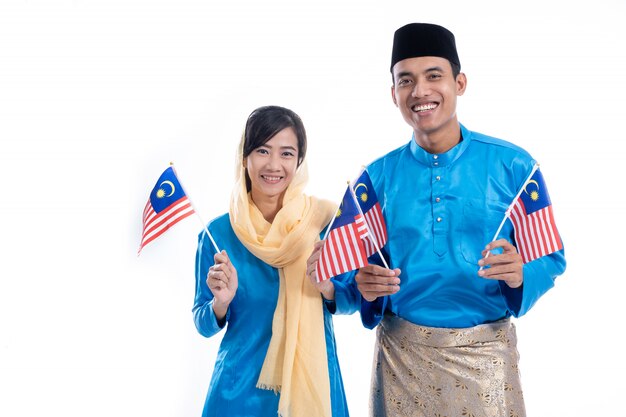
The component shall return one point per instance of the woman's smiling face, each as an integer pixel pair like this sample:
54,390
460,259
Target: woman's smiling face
272,166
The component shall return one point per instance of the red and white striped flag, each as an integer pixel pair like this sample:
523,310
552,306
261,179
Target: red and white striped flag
536,234
167,205
343,249
370,207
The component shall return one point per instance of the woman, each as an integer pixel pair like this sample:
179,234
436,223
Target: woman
278,353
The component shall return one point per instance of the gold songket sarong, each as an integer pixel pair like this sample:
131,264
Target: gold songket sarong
427,371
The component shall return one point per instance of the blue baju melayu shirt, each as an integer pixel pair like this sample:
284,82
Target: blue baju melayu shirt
232,391
441,211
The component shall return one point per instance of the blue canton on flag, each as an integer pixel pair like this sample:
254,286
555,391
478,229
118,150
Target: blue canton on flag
535,194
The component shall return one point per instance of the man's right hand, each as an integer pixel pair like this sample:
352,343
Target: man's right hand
375,281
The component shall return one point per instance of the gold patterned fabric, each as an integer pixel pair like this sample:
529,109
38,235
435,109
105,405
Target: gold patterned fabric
439,372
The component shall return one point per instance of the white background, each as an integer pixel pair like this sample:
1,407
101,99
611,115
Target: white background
97,97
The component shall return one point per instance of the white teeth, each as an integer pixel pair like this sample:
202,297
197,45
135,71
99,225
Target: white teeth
271,178
424,107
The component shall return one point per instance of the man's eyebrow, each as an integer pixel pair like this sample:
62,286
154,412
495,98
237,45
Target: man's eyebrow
403,74
427,70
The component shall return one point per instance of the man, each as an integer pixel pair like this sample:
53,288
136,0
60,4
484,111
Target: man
445,345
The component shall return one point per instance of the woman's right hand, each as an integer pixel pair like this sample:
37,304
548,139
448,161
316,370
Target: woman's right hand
222,281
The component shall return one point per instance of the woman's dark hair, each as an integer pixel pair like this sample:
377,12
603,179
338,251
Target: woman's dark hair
264,123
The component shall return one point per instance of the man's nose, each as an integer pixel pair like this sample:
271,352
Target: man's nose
421,89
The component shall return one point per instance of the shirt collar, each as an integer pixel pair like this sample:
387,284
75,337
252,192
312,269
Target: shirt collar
441,159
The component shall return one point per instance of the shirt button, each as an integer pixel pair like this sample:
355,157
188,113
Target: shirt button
435,156
437,177
439,219
436,163
437,200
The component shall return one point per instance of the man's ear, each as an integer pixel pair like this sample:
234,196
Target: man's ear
461,83
393,96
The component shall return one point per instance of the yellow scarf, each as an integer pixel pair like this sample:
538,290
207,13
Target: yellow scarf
295,363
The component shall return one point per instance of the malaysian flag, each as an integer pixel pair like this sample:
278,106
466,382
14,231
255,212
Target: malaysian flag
370,207
531,213
343,249
168,204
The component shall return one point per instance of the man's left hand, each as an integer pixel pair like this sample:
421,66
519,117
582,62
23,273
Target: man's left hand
506,266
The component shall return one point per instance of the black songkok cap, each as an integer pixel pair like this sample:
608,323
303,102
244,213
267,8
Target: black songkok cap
423,39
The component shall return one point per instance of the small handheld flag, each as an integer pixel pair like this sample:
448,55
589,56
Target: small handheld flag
343,248
167,205
370,207
531,214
